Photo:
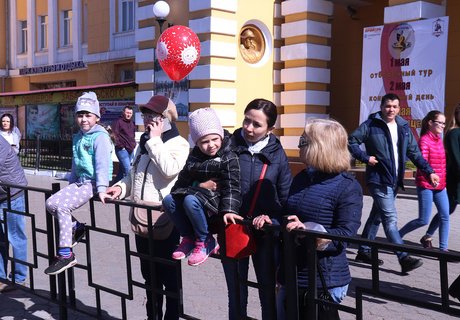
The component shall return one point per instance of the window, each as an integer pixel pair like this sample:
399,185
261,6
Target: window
66,39
42,32
127,15
22,48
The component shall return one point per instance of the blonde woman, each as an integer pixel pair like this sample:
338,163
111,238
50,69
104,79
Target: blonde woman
324,193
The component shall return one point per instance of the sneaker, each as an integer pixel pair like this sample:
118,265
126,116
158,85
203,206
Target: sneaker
408,263
426,242
184,249
202,251
60,264
78,233
365,257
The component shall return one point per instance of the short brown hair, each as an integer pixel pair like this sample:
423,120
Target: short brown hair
326,146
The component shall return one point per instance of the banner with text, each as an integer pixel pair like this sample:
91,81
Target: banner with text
408,59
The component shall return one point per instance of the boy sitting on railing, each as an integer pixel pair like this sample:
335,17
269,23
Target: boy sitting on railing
91,173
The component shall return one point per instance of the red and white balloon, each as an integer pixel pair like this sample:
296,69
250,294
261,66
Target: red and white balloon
178,51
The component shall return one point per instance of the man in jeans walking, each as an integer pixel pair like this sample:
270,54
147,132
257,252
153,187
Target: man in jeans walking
124,132
389,142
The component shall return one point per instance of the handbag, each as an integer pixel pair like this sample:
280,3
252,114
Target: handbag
325,311
239,239
162,225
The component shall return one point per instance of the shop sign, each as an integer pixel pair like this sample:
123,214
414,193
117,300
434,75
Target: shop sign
68,66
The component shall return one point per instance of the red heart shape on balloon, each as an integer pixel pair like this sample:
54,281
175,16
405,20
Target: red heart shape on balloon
178,51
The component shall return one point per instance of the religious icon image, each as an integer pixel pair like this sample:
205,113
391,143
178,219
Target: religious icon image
252,44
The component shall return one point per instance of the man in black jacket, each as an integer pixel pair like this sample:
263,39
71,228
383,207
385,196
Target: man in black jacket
389,142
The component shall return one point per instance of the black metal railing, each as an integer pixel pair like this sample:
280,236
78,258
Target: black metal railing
63,288
42,154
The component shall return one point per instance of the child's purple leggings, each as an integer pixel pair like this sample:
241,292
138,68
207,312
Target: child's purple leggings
62,203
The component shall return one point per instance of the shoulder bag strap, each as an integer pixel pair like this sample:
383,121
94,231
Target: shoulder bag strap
145,177
256,193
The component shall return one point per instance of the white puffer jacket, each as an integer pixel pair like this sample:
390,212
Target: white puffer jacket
159,167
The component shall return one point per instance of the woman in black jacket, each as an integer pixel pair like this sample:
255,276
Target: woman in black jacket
255,145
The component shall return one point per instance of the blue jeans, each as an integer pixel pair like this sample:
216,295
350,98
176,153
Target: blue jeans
17,238
124,164
434,225
240,268
337,294
426,197
187,214
383,210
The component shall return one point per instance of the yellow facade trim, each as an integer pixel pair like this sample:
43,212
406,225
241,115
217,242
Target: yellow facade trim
305,109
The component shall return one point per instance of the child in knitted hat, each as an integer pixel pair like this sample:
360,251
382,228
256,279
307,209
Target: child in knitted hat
90,174
189,205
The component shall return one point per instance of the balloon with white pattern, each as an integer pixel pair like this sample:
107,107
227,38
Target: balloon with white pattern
178,51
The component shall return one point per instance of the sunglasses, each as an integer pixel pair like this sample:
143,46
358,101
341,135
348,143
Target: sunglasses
302,142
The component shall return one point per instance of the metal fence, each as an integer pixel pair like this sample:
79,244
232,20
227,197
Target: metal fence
46,154
63,289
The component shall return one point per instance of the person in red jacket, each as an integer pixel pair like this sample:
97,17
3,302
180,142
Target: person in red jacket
432,149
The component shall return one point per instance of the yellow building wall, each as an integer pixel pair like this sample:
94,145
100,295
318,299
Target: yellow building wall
98,26
3,34
41,8
453,59
21,10
253,82
346,60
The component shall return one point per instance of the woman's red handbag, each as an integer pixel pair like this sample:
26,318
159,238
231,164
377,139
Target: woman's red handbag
239,239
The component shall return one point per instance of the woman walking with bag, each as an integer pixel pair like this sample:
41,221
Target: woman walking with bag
256,145
327,196
160,157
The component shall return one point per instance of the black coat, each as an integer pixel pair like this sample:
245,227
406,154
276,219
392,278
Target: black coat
275,187
224,168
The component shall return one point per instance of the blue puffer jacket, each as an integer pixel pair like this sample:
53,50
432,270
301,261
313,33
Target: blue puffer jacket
375,135
275,187
336,202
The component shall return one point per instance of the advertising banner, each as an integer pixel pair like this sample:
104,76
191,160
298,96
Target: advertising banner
43,120
408,59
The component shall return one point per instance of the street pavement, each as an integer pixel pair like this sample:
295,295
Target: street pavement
204,289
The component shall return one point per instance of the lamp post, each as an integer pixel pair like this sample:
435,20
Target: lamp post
161,11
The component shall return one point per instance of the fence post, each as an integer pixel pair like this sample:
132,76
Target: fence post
38,150
290,272
55,187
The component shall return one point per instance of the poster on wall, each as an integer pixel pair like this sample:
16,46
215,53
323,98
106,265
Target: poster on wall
43,120
68,123
177,91
111,110
408,59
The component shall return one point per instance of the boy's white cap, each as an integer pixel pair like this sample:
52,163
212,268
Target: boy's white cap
88,102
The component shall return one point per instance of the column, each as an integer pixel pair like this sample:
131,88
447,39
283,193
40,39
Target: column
409,10
53,42
76,30
31,33
212,82
306,75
